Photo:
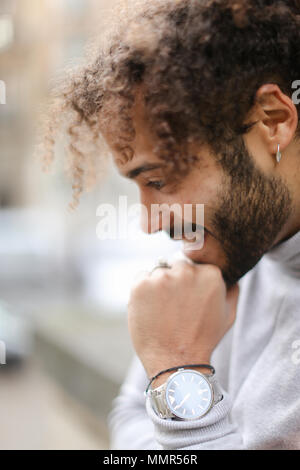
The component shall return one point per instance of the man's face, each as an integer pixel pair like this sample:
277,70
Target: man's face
243,215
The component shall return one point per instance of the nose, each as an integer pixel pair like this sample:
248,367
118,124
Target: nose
150,220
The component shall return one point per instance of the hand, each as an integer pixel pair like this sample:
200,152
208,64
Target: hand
178,316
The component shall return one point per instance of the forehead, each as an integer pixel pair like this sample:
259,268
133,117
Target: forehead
138,152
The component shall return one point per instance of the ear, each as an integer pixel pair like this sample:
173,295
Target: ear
276,117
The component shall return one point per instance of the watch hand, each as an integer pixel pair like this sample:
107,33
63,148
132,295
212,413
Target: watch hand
180,404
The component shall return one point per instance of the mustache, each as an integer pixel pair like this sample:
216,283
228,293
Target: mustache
186,228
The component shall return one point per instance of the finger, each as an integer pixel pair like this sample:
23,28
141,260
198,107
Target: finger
180,264
159,270
161,263
180,256
140,275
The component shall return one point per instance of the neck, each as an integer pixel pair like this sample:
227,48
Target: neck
290,171
293,224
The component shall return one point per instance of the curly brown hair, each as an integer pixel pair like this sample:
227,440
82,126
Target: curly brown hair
199,63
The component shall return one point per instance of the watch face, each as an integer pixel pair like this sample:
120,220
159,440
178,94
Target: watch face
189,394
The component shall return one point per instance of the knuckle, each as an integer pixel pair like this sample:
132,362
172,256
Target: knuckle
183,264
213,273
184,267
189,272
139,287
162,277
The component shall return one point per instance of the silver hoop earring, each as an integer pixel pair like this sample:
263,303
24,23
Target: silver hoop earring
278,154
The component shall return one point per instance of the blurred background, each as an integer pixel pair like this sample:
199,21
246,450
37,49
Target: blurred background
63,292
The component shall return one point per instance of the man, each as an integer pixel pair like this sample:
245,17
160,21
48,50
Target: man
195,99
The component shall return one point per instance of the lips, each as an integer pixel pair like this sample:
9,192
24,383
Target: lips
194,245
209,252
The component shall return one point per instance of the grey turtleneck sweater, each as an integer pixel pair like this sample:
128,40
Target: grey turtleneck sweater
257,366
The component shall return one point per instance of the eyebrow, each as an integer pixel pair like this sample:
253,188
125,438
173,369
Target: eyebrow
141,169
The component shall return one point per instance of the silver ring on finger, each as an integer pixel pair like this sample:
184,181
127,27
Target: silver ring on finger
161,264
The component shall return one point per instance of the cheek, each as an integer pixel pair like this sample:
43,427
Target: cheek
202,190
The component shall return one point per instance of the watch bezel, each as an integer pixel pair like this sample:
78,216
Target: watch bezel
205,377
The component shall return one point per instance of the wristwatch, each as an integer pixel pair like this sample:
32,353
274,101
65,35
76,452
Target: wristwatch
186,395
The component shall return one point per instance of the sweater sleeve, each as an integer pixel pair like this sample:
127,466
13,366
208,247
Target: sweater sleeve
128,423
133,424
213,431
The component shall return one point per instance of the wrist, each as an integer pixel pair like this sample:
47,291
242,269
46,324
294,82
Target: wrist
164,377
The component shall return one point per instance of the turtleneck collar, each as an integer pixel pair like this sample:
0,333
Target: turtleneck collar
287,253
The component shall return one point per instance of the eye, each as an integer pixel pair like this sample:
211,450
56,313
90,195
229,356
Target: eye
156,184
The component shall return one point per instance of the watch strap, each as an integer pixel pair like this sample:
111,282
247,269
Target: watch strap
159,403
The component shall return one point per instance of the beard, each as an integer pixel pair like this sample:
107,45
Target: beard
252,209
